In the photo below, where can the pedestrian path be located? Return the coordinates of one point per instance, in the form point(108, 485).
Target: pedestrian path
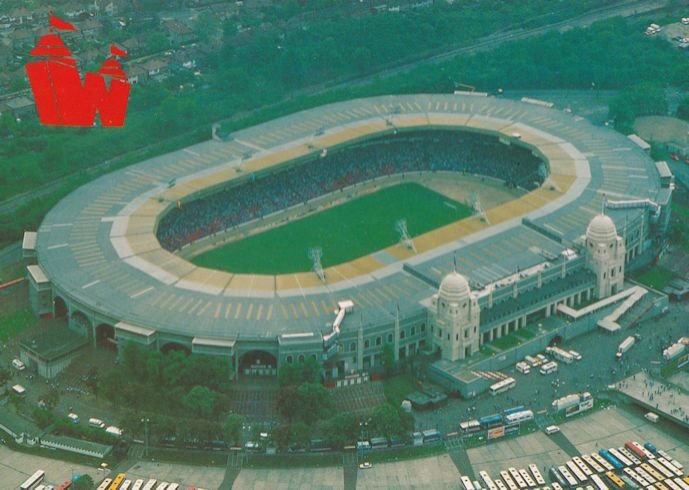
point(663, 398)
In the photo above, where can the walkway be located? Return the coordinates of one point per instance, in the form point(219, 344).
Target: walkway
point(665, 399)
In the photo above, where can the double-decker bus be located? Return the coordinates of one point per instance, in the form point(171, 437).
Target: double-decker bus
point(684, 484)
point(620, 457)
point(150, 484)
point(614, 479)
point(629, 455)
point(466, 482)
point(527, 478)
point(598, 483)
point(612, 460)
point(582, 466)
point(645, 475)
point(33, 480)
point(576, 471)
point(516, 477)
point(571, 481)
point(519, 417)
point(500, 484)
point(509, 411)
point(469, 426)
point(653, 472)
point(502, 386)
point(117, 481)
point(638, 479)
point(669, 458)
point(537, 474)
point(674, 469)
point(105, 484)
point(672, 485)
point(508, 480)
point(593, 464)
point(487, 480)
point(660, 468)
point(491, 421)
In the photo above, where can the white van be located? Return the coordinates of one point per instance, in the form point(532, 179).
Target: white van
point(551, 429)
point(575, 355)
point(18, 365)
point(19, 390)
point(550, 367)
point(523, 367)
point(97, 423)
point(73, 417)
point(114, 431)
point(652, 417)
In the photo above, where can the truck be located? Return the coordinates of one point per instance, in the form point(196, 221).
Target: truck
point(560, 354)
point(624, 347)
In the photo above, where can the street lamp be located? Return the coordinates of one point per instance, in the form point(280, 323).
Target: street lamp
point(145, 421)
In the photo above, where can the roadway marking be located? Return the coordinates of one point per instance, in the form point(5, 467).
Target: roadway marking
point(61, 245)
point(191, 152)
point(90, 284)
point(249, 311)
point(239, 310)
point(227, 310)
point(270, 312)
point(142, 292)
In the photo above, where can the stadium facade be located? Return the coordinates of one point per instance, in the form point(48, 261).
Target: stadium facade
point(100, 264)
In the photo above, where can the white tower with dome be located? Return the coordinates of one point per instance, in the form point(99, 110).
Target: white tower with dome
point(605, 256)
point(454, 319)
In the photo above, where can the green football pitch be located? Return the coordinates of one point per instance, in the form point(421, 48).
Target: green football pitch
point(345, 232)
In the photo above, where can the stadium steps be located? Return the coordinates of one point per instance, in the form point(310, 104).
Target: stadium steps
point(490, 375)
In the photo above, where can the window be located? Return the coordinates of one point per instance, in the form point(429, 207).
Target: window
point(457, 337)
point(367, 344)
point(604, 275)
point(313, 356)
point(402, 334)
point(289, 359)
point(448, 336)
point(352, 347)
point(466, 333)
point(413, 330)
point(301, 359)
point(379, 340)
point(464, 305)
point(389, 338)
point(474, 329)
point(423, 327)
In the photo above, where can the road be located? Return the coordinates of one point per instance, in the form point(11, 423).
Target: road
point(622, 9)
point(593, 373)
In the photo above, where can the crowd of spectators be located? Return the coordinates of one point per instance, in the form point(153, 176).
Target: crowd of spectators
point(259, 196)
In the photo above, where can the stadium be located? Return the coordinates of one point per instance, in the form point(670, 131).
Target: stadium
point(117, 257)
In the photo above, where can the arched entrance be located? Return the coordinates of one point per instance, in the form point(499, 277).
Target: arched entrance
point(105, 336)
point(258, 363)
point(175, 347)
point(81, 323)
point(60, 308)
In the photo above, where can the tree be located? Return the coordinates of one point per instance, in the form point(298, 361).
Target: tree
point(289, 375)
point(205, 370)
point(173, 368)
point(289, 402)
point(134, 361)
point(5, 376)
point(154, 367)
point(199, 401)
point(43, 417)
point(157, 42)
point(385, 421)
point(83, 482)
point(316, 402)
point(281, 436)
point(342, 429)
point(312, 371)
point(642, 99)
point(232, 429)
point(683, 109)
point(300, 435)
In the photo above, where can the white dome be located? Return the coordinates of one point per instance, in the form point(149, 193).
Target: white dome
point(601, 229)
point(454, 288)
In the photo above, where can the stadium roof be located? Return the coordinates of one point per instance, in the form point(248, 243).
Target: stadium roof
point(98, 243)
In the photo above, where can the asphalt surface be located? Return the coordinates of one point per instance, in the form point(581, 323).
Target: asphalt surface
point(593, 373)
